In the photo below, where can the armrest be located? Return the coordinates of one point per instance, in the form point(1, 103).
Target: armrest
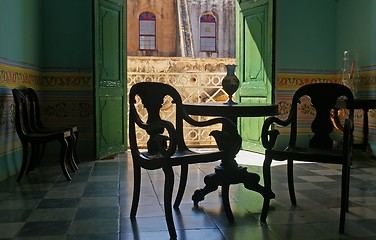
point(268, 135)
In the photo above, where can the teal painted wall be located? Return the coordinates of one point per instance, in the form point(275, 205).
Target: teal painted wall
point(21, 30)
point(67, 34)
point(313, 34)
point(47, 33)
point(305, 38)
point(357, 30)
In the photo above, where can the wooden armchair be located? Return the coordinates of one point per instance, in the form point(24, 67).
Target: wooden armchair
point(322, 148)
point(30, 137)
point(166, 147)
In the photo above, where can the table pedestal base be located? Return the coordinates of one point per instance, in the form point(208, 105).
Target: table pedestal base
point(223, 177)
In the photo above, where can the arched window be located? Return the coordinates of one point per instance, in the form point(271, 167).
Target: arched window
point(208, 36)
point(147, 31)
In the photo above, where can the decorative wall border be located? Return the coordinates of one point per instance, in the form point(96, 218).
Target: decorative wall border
point(70, 80)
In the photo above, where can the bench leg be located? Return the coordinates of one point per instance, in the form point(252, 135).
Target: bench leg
point(25, 160)
point(70, 158)
point(63, 162)
point(75, 139)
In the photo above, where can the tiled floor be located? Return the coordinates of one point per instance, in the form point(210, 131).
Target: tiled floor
point(96, 203)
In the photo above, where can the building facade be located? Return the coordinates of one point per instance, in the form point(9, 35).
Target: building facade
point(181, 28)
point(151, 28)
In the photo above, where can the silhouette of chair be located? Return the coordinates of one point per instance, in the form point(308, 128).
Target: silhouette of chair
point(30, 137)
point(166, 147)
point(322, 148)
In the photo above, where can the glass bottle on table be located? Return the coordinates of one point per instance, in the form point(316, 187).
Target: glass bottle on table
point(350, 71)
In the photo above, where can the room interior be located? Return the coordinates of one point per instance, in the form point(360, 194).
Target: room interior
point(45, 48)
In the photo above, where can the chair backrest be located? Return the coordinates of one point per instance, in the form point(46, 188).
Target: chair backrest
point(22, 122)
point(153, 97)
point(324, 98)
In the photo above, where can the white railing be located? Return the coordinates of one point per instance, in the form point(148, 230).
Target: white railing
point(193, 87)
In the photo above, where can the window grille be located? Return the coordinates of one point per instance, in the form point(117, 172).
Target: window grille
point(147, 34)
point(208, 37)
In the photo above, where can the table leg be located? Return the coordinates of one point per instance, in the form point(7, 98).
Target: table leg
point(230, 173)
point(365, 144)
point(223, 177)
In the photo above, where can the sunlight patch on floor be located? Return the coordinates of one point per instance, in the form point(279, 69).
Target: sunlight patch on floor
point(253, 159)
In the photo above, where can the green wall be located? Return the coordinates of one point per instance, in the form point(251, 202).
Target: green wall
point(313, 34)
point(21, 30)
point(305, 38)
point(47, 33)
point(356, 30)
point(67, 33)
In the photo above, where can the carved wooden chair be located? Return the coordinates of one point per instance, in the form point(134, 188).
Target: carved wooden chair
point(37, 125)
point(166, 147)
point(322, 147)
point(29, 137)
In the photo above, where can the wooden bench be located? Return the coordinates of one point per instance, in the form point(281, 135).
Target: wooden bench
point(30, 136)
point(38, 125)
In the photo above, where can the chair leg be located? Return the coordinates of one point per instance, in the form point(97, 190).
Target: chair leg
point(290, 179)
point(268, 186)
point(226, 202)
point(63, 162)
point(136, 189)
point(182, 185)
point(344, 197)
point(168, 188)
point(25, 160)
point(347, 187)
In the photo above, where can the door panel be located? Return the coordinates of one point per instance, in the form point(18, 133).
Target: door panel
point(110, 87)
point(254, 57)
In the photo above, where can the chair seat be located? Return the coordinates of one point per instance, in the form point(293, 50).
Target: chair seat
point(69, 128)
point(182, 156)
point(307, 154)
point(47, 135)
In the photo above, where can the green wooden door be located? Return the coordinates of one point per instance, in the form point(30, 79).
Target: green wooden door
point(255, 64)
point(110, 85)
